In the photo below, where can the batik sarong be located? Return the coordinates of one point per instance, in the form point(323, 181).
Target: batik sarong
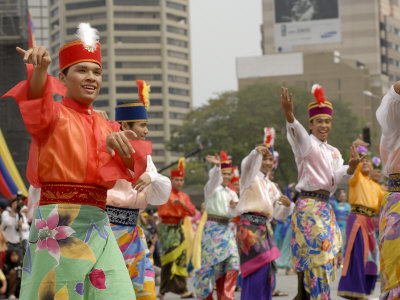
point(389, 245)
point(360, 268)
point(316, 240)
point(219, 254)
point(133, 245)
point(72, 254)
point(255, 245)
point(173, 259)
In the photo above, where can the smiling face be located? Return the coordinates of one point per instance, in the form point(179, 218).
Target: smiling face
point(83, 82)
point(320, 127)
point(267, 163)
point(140, 128)
point(226, 176)
point(366, 166)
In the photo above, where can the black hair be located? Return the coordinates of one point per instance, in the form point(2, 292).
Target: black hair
point(65, 71)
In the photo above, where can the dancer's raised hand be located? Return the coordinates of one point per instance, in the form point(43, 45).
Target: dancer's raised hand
point(39, 57)
point(287, 104)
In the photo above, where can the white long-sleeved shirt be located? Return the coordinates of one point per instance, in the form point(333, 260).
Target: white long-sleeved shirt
point(10, 225)
point(218, 197)
point(388, 115)
point(157, 193)
point(319, 164)
point(258, 193)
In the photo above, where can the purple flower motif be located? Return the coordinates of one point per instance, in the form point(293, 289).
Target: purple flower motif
point(362, 149)
point(376, 161)
point(79, 288)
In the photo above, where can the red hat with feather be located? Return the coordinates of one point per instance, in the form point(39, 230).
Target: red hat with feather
point(180, 172)
point(226, 163)
point(321, 107)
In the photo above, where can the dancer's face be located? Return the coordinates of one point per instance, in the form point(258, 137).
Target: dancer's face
point(267, 163)
point(177, 183)
point(140, 128)
point(376, 175)
point(226, 177)
point(366, 166)
point(320, 127)
point(83, 82)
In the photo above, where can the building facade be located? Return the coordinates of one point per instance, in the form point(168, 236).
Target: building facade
point(141, 39)
point(39, 12)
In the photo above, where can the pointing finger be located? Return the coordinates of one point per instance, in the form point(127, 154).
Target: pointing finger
point(20, 50)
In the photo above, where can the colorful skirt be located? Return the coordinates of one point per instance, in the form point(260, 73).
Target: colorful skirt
point(360, 267)
point(316, 240)
point(219, 254)
point(255, 245)
point(283, 237)
point(72, 254)
point(389, 245)
point(133, 245)
point(173, 259)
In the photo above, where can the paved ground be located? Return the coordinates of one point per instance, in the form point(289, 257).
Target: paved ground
point(289, 285)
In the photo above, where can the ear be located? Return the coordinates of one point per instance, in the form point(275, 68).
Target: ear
point(310, 124)
point(125, 125)
point(62, 78)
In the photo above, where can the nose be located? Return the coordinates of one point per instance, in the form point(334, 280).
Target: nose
point(90, 76)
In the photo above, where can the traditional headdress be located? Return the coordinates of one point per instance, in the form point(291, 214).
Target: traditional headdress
point(321, 107)
point(180, 172)
point(134, 111)
point(226, 163)
point(269, 138)
point(86, 48)
point(236, 175)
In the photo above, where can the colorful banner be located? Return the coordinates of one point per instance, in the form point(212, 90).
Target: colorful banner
point(31, 31)
point(10, 179)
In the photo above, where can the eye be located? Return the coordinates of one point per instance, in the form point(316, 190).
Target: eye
point(81, 70)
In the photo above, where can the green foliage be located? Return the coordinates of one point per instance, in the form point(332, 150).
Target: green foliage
point(234, 122)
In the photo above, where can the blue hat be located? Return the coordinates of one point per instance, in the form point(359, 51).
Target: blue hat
point(130, 112)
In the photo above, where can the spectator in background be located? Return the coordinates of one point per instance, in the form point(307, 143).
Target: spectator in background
point(3, 206)
point(3, 285)
point(12, 269)
point(15, 226)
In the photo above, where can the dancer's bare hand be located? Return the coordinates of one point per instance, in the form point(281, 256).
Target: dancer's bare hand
point(359, 142)
point(143, 181)
point(284, 200)
point(354, 159)
point(120, 141)
point(263, 150)
point(214, 159)
point(39, 57)
point(287, 104)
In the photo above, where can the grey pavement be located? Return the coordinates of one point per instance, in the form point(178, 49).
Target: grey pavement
point(288, 284)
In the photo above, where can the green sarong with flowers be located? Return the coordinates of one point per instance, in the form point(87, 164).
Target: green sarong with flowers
point(72, 254)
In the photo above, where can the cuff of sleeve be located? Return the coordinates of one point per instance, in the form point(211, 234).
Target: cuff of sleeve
point(393, 94)
point(152, 176)
point(292, 125)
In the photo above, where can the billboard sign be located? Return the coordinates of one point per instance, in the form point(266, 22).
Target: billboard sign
point(304, 22)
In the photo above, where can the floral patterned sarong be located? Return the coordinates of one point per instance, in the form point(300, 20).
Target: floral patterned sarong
point(316, 241)
point(72, 254)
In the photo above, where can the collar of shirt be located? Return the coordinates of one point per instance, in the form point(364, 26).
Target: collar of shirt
point(77, 106)
point(318, 140)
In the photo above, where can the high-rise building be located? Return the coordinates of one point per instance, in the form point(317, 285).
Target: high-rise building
point(39, 11)
point(13, 32)
point(141, 39)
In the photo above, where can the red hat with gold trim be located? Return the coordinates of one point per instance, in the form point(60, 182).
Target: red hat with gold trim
point(86, 49)
point(226, 163)
point(321, 107)
point(180, 172)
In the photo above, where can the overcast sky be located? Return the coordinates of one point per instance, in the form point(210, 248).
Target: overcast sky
point(221, 31)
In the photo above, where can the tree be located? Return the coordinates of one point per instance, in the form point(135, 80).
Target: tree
point(234, 122)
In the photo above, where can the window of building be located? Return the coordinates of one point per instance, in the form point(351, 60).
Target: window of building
point(156, 127)
point(175, 5)
point(177, 54)
point(101, 103)
point(137, 2)
point(138, 52)
point(132, 77)
point(55, 24)
point(101, 27)
point(178, 67)
point(54, 12)
point(178, 79)
point(87, 17)
point(173, 127)
point(176, 116)
point(134, 89)
point(156, 139)
point(176, 42)
point(137, 64)
point(156, 102)
point(55, 36)
point(155, 114)
point(137, 14)
point(177, 103)
point(103, 91)
point(52, 2)
point(158, 152)
point(175, 18)
point(176, 30)
point(85, 4)
point(138, 39)
point(137, 27)
point(177, 91)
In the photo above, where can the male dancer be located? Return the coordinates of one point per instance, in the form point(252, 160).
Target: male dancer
point(316, 235)
point(260, 201)
point(388, 115)
point(172, 238)
point(124, 201)
point(360, 267)
point(219, 254)
point(72, 252)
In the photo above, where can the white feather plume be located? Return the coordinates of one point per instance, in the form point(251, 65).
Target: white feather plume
point(314, 87)
point(88, 35)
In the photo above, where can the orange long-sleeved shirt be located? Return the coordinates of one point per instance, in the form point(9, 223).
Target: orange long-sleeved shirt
point(364, 191)
point(175, 210)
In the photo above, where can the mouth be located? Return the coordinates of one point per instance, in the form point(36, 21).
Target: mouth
point(89, 88)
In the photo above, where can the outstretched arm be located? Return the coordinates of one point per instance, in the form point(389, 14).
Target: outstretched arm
point(40, 58)
point(287, 105)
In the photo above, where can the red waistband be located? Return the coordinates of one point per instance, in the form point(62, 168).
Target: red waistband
point(72, 193)
point(171, 221)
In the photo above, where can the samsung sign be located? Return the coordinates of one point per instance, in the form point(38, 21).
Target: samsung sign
point(304, 22)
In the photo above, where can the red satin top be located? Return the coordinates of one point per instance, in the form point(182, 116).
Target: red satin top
point(175, 210)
